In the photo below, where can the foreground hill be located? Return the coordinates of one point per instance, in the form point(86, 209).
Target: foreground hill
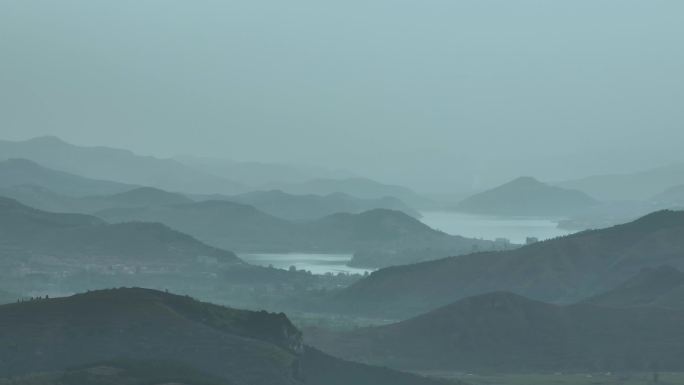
point(20, 172)
point(563, 270)
point(117, 165)
point(508, 333)
point(223, 345)
point(526, 196)
point(662, 286)
point(309, 206)
point(31, 232)
point(243, 228)
point(7, 297)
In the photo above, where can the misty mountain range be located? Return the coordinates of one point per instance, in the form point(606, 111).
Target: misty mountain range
point(341, 193)
point(306, 223)
point(134, 228)
point(582, 203)
point(126, 167)
point(53, 190)
point(456, 304)
point(32, 232)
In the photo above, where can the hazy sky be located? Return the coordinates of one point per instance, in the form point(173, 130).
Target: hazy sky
point(430, 93)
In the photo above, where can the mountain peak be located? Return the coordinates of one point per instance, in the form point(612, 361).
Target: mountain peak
point(527, 196)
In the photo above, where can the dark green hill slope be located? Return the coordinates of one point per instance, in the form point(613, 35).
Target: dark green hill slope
point(563, 270)
point(114, 329)
point(662, 286)
point(509, 333)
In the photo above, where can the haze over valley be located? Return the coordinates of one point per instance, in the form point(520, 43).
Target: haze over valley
point(341, 193)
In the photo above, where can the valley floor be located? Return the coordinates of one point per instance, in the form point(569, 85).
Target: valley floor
point(564, 379)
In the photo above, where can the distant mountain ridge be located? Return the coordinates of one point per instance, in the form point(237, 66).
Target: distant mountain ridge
point(117, 165)
point(526, 196)
point(562, 270)
point(673, 196)
point(19, 172)
point(52, 190)
point(148, 196)
point(310, 206)
point(630, 186)
point(358, 187)
point(124, 166)
point(24, 230)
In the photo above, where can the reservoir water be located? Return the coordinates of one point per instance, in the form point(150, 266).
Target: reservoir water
point(490, 227)
point(315, 263)
point(473, 226)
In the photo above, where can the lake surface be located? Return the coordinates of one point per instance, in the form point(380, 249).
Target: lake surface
point(490, 227)
point(315, 263)
point(467, 225)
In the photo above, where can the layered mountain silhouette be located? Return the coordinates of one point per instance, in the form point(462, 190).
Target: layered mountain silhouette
point(222, 345)
point(526, 196)
point(195, 177)
point(560, 270)
point(22, 172)
point(309, 206)
point(672, 196)
point(388, 237)
point(51, 190)
point(220, 223)
point(117, 165)
point(661, 286)
point(243, 228)
point(506, 332)
point(357, 187)
point(147, 196)
point(632, 186)
point(28, 231)
point(47, 200)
